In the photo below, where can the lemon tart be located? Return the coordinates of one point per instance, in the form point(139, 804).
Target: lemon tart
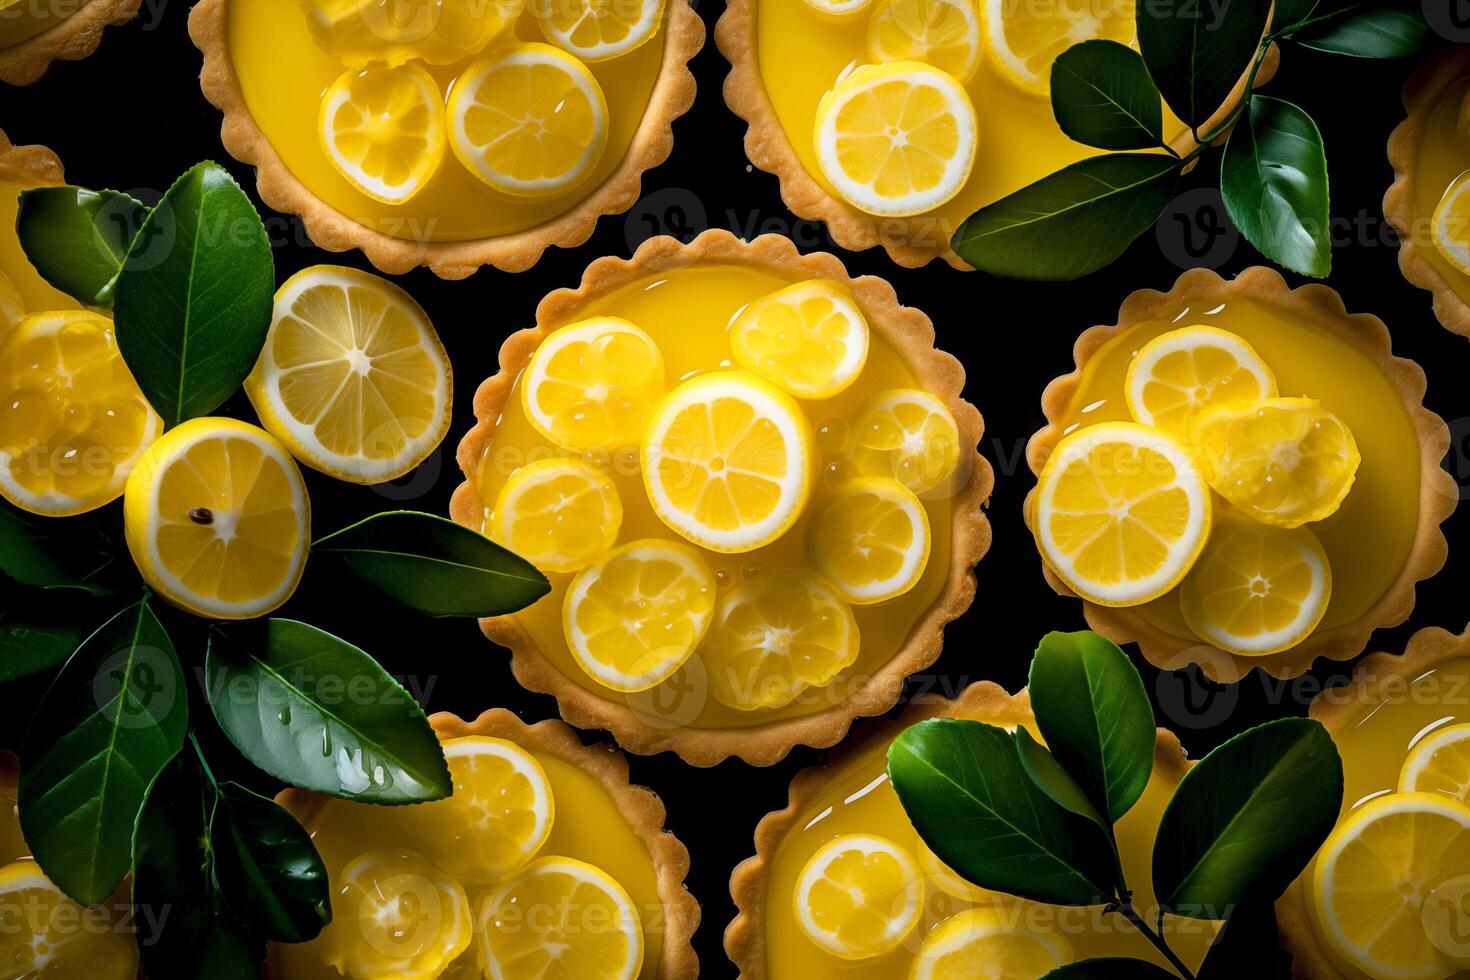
point(1239, 475)
point(753, 483)
point(35, 33)
point(480, 884)
point(23, 290)
point(842, 885)
point(451, 134)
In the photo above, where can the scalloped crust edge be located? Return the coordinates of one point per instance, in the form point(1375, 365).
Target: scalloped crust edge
point(745, 936)
point(672, 96)
point(1420, 93)
point(72, 39)
point(912, 335)
point(640, 807)
point(1437, 492)
point(32, 166)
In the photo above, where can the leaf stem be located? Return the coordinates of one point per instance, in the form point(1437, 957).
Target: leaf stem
point(1128, 912)
point(1204, 140)
point(203, 762)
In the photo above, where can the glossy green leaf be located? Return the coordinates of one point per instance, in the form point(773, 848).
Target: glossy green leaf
point(1288, 13)
point(195, 294)
point(1048, 776)
point(1247, 946)
point(1094, 714)
point(1369, 30)
point(114, 716)
point(50, 553)
point(1273, 177)
point(431, 565)
point(267, 867)
point(1110, 968)
point(77, 238)
point(963, 787)
point(1102, 95)
point(34, 636)
point(317, 712)
point(1197, 52)
point(1072, 222)
point(1247, 818)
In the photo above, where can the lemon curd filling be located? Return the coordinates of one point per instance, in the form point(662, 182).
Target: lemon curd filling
point(36, 293)
point(1441, 158)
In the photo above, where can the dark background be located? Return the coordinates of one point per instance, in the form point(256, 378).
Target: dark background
point(132, 117)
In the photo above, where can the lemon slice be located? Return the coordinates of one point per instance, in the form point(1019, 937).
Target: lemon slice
point(1374, 874)
point(1257, 589)
point(529, 120)
point(1179, 374)
point(728, 461)
point(593, 384)
point(1121, 513)
point(595, 30)
point(51, 937)
point(383, 129)
point(635, 617)
point(558, 514)
point(906, 434)
point(989, 943)
point(1451, 224)
point(941, 876)
point(218, 520)
point(1024, 39)
point(73, 423)
point(942, 33)
point(499, 816)
point(12, 306)
point(1439, 763)
point(396, 917)
point(1283, 461)
point(871, 540)
point(352, 379)
point(560, 918)
point(776, 637)
point(859, 896)
point(838, 10)
point(810, 338)
point(896, 139)
point(440, 32)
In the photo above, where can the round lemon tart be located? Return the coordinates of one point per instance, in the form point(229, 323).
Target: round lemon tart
point(22, 168)
point(754, 486)
point(35, 33)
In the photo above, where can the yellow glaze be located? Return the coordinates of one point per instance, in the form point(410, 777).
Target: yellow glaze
point(21, 20)
point(687, 312)
point(37, 293)
point(1442, 155)
point(265, 35)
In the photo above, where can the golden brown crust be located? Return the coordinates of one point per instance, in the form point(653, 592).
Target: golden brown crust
point(672, 95)
point(30, 166)
point(640, 807)
point(1437, 491)
point(72, 39)
point(1421, 94)
point(745, 936)
point(912, 335)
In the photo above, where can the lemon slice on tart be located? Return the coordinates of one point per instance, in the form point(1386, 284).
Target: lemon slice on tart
point(595, 30)
point(1439, 763)
point(810, 338)
point(986, 942)
point(907, 434)
point(942, 33)
point(395, 916)
point(383, 129)
point(871, 540)
point(592, 385)
point(838, 10)
point(859, 896)
point(49, 936)
point(1023, 39)
point(1178, 374)
point(559, 514)
point(440, 32)
point(1450, 225)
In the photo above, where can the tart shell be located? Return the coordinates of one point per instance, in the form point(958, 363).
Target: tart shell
point(672, 96)
point(72, 39)
point(1437, 491)
point(33, 166)
point(912, 335)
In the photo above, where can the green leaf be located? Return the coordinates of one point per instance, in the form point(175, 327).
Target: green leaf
point(1049, 777)
point(317, 712)
point(963, 787)
point(1273, 177)
point(1072, 222)
point(1288, 13)
point(1110, 968)
point(1094, 714)
point(1247, 818)
point(114, 716)
point(1197, 52)
point(195, 294)
point(1247, 947)
point(77, 238)
point(185, 930)
point(267, 867)
point(49, 553)
point(34, 638)
point(1366, 31)
point(431, 565)
point(1102, 95)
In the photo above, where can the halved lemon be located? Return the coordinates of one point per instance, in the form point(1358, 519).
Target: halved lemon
point(989, 943)
point(1439, 763)
point(383, 129)
point(559, 514)
point(1283, 461)
point(73, 422)
point(596, 30)
point(859, 896)
point(896, 139)
point(939, 875)
point(1025, 38)
point(634, 618)
point(12, 306)
point(942, 33)
point(395, 916)
point(50, 937)
point(352, 379)
point(1121, 512)
point(1180, 373)
point(217, 519)
point(810, 338)
point(499, 816)
point(528, 120)
point(776, 637)
point(906, 434)
point(560, 918)
point(1257, 589)
point(1450, 225)
point(441, 32)
point(1375, 872)
point(592, 385)
point(728, 461)
point(871, 540)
